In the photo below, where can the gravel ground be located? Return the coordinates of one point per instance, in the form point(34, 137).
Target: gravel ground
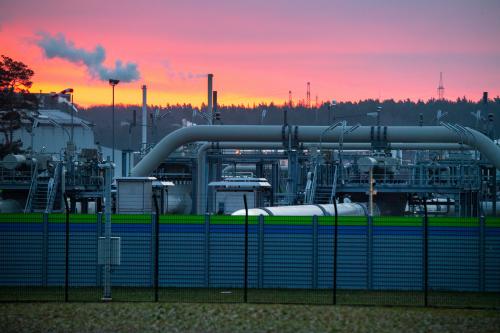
point(179, 317)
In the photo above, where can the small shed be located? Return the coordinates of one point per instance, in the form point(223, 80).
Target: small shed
point(229, 193)
point(134, 195)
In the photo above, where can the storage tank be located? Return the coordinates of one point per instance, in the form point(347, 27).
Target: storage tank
point(343, 209)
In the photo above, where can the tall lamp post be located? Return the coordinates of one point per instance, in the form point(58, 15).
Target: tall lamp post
point(113, 83)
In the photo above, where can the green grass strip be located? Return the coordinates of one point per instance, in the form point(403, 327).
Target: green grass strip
point(342, 220)
point(453, 221)
point(493, 222)
point(182, 219)
point(397, 221)
point(21, 218)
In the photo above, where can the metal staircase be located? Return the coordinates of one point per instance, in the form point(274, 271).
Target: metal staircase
point(33, 187)
point(43, 194)
point(324, 190)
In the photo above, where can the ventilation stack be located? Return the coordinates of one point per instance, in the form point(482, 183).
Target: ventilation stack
point(144, 140)
point(210, 103)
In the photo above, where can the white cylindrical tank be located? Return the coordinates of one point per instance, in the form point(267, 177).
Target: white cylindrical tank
point(343, 209)
point(13, 161)
point(365, 164)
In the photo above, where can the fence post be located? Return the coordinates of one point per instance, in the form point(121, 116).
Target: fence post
point(315, 252)
point(45, 248)
point(261, 252)
point(426, 254)
point(369, 251)
point(481, 252)
point(335, 251)
point(245, 291)
point(66, 266)
point(207, 250)
point(98, 235)
point(156, 244)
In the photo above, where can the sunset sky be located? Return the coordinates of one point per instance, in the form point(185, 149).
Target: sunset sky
point(258, 50)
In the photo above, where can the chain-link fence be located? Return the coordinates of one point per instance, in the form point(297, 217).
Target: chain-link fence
point(439, 261)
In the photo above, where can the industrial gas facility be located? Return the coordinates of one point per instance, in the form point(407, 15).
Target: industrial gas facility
point(283, 170)
point(398, 215)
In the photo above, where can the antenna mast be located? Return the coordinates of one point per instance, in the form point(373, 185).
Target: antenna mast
point(440, 89)
point(308, 96)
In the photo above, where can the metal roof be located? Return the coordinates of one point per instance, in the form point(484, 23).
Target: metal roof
point(60, 117)
point(241, 183)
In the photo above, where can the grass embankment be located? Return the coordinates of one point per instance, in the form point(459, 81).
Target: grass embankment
point(182, 317)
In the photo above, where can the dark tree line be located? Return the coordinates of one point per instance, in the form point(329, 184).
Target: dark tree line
point(15, 101)
point(391, 113)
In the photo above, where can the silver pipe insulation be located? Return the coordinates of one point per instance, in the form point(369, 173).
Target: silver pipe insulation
point(264, 133)
point(343, 209)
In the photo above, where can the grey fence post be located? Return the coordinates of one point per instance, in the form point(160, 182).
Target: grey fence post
point(481, 252)
point(369, 254)
point(426, 254)
point(98, 232)
point(315, 252)
point(153, 252)
point(261, 253)
point(155, 227)
point(45, 248)
point(207, 250)
point(245, 269)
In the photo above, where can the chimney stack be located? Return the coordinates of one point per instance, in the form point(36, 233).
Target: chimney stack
point(144, 141)
point(210, 104)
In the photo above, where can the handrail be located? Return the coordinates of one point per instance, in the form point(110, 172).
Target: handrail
point(33, 186)
point(52, 192)
point(334, 185)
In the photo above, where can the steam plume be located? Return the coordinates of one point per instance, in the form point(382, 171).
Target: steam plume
point(59, 47)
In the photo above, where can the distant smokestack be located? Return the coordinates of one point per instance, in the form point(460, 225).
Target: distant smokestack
point(210, 92)
point(144, 119)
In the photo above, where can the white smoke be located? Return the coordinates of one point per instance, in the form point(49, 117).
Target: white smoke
point(181, 75)
point(59, 47)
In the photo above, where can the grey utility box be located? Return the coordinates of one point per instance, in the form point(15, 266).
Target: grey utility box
point(133, 195)
point(229, 193)
point(115, 251)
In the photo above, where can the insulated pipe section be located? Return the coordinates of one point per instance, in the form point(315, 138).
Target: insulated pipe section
point(344, 209)
point(402, 134)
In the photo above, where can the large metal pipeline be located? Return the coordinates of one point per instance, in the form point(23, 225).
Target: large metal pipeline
point(343, 209)
point(298, 134)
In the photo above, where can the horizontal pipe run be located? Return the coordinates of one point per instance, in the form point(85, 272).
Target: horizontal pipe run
point(361, 134)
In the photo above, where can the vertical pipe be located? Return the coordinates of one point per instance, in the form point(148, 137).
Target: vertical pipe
point(113, 123)
point(144, 140)
point(245, 295)
point(210, 95)
point(214, 107)
point(72, 122)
